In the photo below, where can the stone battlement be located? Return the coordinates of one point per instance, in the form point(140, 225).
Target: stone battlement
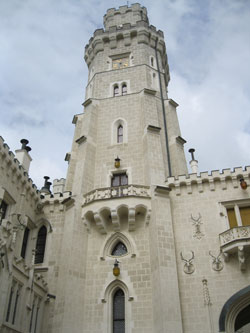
point(15, 169)
point(144, 32)
point(125, 14)
point(221, 178)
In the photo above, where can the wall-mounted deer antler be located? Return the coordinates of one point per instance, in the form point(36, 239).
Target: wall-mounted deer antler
point(217, 264)
point(188, 266)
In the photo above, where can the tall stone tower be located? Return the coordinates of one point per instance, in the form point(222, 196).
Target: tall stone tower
point(126, 142)
point(127, 87)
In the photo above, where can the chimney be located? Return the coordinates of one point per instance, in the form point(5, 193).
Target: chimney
point(46, 187)
point(193, 163)
point(23, 155)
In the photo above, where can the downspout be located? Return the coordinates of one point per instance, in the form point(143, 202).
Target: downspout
point(163, 110)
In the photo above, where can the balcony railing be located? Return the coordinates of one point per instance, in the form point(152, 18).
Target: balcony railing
point(117, 192)
point(234, 235)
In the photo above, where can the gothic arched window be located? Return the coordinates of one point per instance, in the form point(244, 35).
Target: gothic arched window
point(40, 245)
point(124, 89)
point(119, 249)
point(120, 134)
point(119, 312)
point(116, 90)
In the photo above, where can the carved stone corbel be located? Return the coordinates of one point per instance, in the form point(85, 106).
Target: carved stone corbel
point(100, 223)
point(131, 219)
point(115, 220)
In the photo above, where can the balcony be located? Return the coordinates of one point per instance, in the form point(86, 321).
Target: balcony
point(117, 208)
point(236, 240)
point(117, 192)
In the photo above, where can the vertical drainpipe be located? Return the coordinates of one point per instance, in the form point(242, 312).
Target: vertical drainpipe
point(163, 110)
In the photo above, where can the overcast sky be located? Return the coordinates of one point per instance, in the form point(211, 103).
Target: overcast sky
point(43, 75)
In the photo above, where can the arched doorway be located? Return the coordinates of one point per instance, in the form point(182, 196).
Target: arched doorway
point(235, 314)
point(242, 321)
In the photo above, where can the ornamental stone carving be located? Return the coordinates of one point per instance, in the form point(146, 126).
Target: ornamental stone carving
point(196, 221)
point(217, 264)
point(188, 266)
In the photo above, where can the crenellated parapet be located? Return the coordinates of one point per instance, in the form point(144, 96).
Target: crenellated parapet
point(60, 200)
point(141, 30)
point(14, 170)
point(125, 14)
point(205, 181)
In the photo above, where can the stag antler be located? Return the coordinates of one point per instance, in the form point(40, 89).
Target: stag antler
point(217, 264)
point(196, 219)
point(188, 266)
point(188, 261)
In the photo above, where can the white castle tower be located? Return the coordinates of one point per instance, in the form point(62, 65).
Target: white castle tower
point(126, 143)
point(129, 242)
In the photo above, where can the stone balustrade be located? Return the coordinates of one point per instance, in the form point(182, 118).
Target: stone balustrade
point(117, 192)
point(236, 240)
point(234, 235)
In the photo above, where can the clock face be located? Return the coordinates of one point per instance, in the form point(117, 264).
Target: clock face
point(120, 63)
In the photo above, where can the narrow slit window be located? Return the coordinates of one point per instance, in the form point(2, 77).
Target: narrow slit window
point(119, 312)
point(3, 210)
point(15, 307)
point(25, 242)
point(120, 134)
point(40, 245)
point(9, 304)
point(116, 90)
point(124, 89)
point(152, 61)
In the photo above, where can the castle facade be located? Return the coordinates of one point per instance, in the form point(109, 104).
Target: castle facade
point(129, 242)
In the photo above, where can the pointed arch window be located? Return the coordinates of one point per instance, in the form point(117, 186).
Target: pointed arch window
point(124, 89)
point(119, 312)
point(120, 134)
point(116, 90)
point(119, 249)
point(40, 245)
